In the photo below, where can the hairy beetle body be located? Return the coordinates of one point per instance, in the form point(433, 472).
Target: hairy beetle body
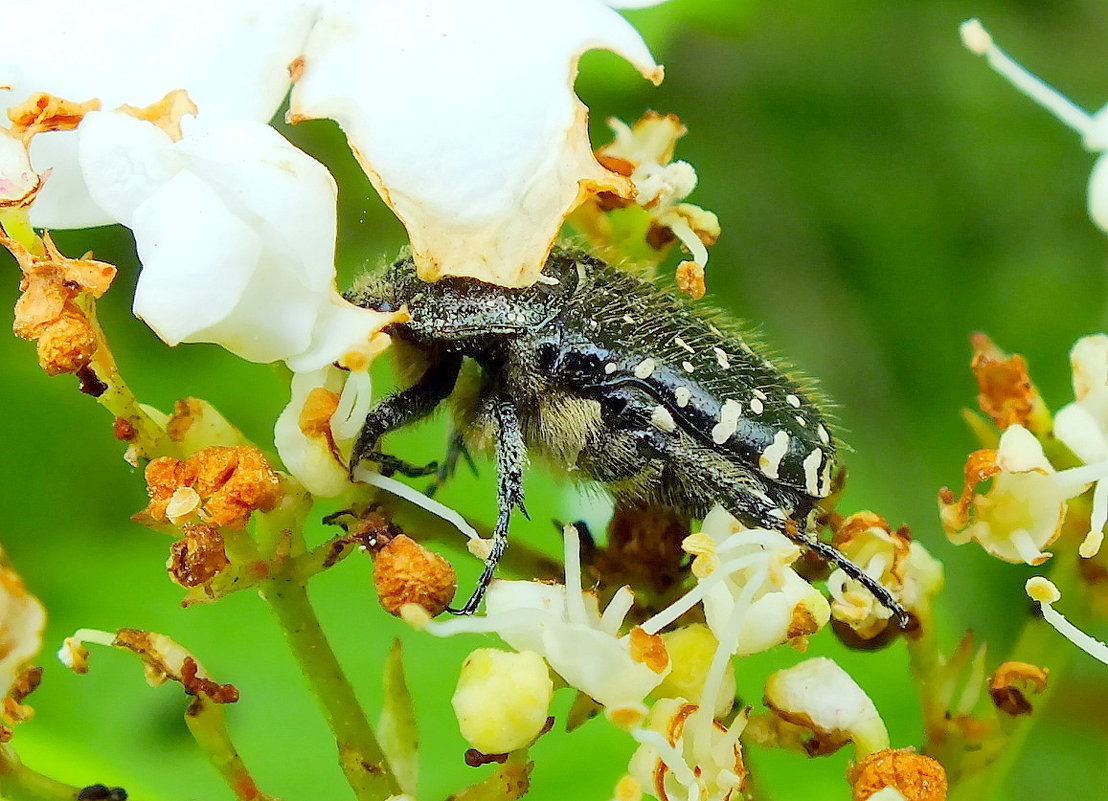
point(613, 380)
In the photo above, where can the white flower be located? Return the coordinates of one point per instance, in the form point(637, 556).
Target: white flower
point(820, 696)
point(891, 558)
point(1093, 128)
point(22, 619)
point(462, 112)
point(1023, 511)
point(752, 599)
point(476, 139)
point(565, 625)
point(1083, 425)
point(231, 57)
point(235, 229)
point(682, 762)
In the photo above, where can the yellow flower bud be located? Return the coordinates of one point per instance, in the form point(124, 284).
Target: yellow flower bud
point(502, 699)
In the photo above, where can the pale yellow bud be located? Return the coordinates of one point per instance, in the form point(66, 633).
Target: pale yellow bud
point(502, 699)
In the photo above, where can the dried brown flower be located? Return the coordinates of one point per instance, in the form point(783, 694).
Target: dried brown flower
point(1006, 392)
point(407, 573)
point(914, 776)
point(198, 557)
point(1008, 682)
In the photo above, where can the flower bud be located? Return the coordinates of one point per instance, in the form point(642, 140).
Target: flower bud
point(502, 699)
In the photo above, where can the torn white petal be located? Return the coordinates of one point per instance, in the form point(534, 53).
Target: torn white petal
point(495, 153)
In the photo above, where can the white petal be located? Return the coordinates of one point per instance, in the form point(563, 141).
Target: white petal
point(1098, 193)
point(231, 57)
point(485, 164)
point(1081, 433)
point(17, 179)
point(1019, 452)
point(124, 160)
point(598, 665)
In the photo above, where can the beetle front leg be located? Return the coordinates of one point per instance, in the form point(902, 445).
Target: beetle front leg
point(511, 456)
point(404, 408)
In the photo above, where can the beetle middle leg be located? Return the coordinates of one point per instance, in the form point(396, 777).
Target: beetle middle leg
point(456, 449)
point(511, 456)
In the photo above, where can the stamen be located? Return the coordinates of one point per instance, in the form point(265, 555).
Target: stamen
point(672, 758)
point(402, 490)
point(575, 603)
point(978, 41)
point(616, 611)
point(697, 593)
point(1043, 590)
point(1095, 537)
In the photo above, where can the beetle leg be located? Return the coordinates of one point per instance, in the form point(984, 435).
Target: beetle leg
point(748, 499)
point(511, 455)
point(455, 450)
point(403, 408)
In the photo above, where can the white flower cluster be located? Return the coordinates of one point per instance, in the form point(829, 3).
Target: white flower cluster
point(752, 600)
point(462, 113)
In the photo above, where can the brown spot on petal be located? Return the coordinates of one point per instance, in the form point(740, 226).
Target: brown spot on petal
point(649, 650)
point(1006, 392)
point(45, 112)
point(914, 776)
point(123, 430)
point(296, 68)
point(315, 416)
point(165, 113)
point(1008, 682)
point(407, 573)
point(616, 164)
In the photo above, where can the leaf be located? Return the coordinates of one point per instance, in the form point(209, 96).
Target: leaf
point(397, 729)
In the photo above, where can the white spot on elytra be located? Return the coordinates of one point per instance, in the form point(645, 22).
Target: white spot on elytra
point(627, 318)
point(756, 405)
point(662, 420)
point(721, 357)
point(811, 472)
point(610, 368)
point(549, 280)
point(793, 401)
point(645, 368)
point(683, 344)
point(758, 394)
point(800, 420)
point(824, 437)
point(683, 396)
point(770, 460)
point(688, 367)
point(728, 422)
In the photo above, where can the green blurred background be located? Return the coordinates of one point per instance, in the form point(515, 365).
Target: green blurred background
point(882, 195)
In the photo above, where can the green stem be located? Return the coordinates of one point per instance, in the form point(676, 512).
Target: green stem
point(1038, 644)
point(360, 755)
point(20, 783)
point(208, 724)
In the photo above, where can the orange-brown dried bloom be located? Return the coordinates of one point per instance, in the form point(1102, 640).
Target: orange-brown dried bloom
point(198, 557)
point(407, 573)
point(1008, 682)
point(165, 113)
point(914, 776)
point(231, 483)
point(1006, 392)
point(46, 310)
point(690, 279)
